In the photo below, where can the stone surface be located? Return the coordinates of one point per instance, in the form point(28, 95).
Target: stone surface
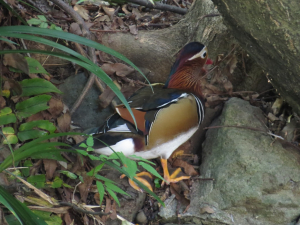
point(256, 181)
point(88, 114)
point(270, 32)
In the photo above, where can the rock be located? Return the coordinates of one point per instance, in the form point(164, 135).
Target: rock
point(270, 32)
point(256, 181)
point(141, 217)
point(88, 114)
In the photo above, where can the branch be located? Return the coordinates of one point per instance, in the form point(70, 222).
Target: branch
point(160, 6)
point(91, 51)
point(78, 209)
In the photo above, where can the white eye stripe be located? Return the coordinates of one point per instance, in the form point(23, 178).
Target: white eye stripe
point(202, 54)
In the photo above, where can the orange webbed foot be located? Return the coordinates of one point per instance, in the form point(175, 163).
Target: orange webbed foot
point(142, 177)
point(173, 177)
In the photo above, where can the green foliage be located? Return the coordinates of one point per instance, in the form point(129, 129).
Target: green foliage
point(37, 86)
point(6, 116)
point(41, 22)
point(19, 32)
point(37, 132)
point(32, 106)
point(37, 180)
point(120, 162)
point(68, 174)
point(21, 212)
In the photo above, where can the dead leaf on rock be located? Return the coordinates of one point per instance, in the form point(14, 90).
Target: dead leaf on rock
point(207, 209)
point(82, 12)
point(133, 29)
point(56, 107)
point(17, 61)
point(50, 166)
point(64, 122)
point(188, 169)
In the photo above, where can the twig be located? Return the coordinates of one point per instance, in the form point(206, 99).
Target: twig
point(91, 51)
point(160, 6)
point(78, 209)
point(114, 31)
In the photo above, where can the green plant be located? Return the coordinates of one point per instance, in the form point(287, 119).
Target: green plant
point(37, 132)
point(41, 22)
point(118, 161)
point(23, 31)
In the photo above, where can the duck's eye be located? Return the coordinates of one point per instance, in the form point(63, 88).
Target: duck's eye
point(203, 55)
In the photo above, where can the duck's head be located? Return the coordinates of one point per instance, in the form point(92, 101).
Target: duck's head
point(188, 68)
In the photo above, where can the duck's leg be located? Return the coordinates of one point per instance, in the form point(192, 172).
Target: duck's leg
point(140, 178)
point(171, 178)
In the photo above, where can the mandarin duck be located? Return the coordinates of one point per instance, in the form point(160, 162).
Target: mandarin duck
point(166, 117)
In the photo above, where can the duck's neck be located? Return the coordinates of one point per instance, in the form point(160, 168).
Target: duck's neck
point(187, 78)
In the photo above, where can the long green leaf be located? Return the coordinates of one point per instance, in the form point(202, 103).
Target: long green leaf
point(96, 70)
point(113, 195)
point(38, 148)
point(23, 214)
point(9, 31)
point(67, 36)
point(100, 190)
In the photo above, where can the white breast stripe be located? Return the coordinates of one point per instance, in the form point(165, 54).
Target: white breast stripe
point(126, 146)
point(121, 128)
point(183, 95)
point(200, 109)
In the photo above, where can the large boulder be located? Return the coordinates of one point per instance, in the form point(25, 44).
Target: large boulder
point(270, 32)
point(255, 180)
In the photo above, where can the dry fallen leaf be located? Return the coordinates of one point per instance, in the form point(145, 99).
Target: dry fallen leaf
point(188, 169)
point(82, 12)
point(37, 116)
point(109, 11)
point(56, 107)
point(84, 188)
point(119, 69)
point(106, 97)
point(78, 138)
point(2, 102)
point(64, 122)
point(75, 29)
point(50, 166)
point(231, 64)
point(137, 14)
point(17, 61)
